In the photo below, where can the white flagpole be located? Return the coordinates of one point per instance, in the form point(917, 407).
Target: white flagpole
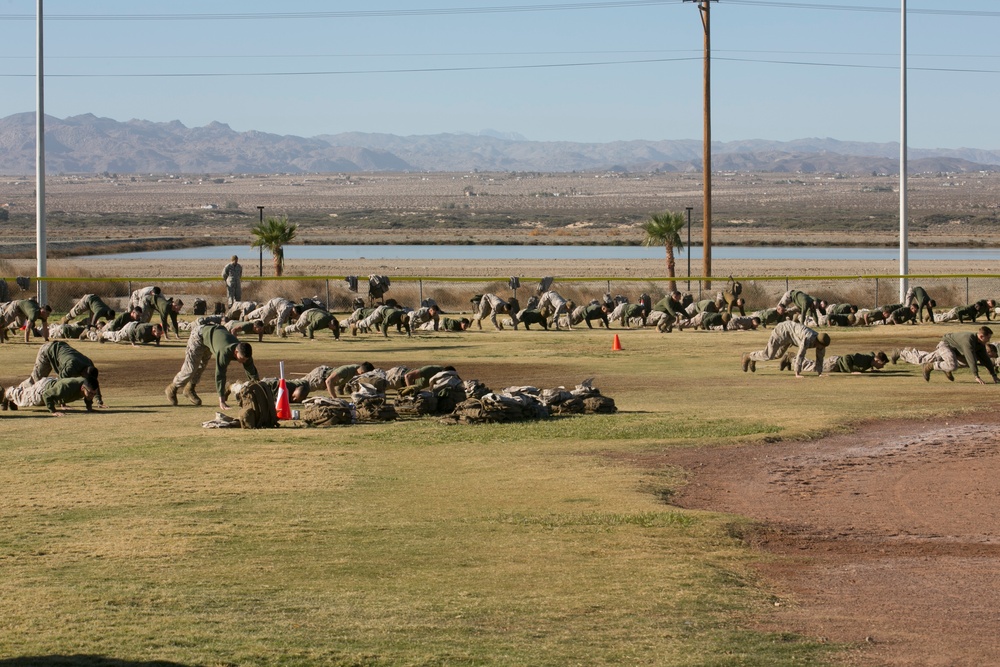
point(40, 241)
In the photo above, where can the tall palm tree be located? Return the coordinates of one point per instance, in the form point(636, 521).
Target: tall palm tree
point(272, 235)
point(665, 229)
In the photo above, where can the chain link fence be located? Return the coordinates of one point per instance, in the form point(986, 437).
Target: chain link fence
point(455, 294)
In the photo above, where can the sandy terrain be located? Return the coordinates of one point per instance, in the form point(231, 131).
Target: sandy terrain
point(885, 538)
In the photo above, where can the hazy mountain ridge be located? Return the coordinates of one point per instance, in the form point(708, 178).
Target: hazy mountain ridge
point(89, 144)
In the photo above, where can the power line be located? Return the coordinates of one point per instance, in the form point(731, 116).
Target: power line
point(487, 68)
point(474, 54)
point(408, 70)
point(444, 11)
point(368, 13)
point(860, 8)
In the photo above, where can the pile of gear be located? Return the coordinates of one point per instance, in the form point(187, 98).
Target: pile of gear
point(446, 395)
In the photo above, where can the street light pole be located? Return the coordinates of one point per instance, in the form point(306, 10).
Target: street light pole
point(688, 209)
point(261, 209)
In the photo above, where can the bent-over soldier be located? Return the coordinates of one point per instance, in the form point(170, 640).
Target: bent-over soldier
point(208, 342)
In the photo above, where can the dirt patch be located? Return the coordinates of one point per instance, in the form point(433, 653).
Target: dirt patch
point(885, 538)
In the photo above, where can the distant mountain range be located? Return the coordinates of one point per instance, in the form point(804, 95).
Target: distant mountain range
point(88, 144)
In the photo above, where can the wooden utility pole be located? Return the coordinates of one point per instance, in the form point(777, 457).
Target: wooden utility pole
point(703, 7)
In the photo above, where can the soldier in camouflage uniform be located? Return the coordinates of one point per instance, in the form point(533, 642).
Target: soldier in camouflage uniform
point(52, 393)
point(91, 306)
point(956, 350)
point(66, 362)
point(135, 333)
point(856, 364)
point(311, 320)
point(231, 275)
point(210, 342)
point(24, 312)
point(338, 377)
point(279, 309)
point(785, 335)
point(919, 296)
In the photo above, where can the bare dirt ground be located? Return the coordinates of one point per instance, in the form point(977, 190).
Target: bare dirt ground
point(885, 538)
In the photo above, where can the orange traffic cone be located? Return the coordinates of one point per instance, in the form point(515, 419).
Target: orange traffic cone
point(617, 345)
point(281, 405)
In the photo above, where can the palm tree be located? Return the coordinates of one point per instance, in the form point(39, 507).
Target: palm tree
point(665, 229)
point(273, 234)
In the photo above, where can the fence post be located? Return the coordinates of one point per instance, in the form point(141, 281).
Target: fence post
point(420, 282)
point(875, 305)
point(328, 304)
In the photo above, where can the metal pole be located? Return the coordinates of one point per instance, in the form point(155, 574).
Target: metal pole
point(261, 209)
point(40, 234)
point(688, 209)
point(904, 268)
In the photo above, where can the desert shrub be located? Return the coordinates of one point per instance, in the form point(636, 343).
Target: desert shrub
point(757, 296)
point(63, 294)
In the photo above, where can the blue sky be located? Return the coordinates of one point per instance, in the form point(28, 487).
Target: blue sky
point(592, 71)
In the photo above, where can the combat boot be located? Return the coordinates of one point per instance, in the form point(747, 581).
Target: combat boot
point(192, 395)
point(927, 368)
point(895, 356)
point(745, 361)
point(171, 392)
point(786, 363)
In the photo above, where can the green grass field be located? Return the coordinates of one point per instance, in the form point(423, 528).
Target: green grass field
point(133, 534)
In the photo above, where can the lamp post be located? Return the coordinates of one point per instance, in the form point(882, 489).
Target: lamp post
point(261, 209)
point(688, 209)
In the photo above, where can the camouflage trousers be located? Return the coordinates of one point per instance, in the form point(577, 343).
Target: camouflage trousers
point(829, 364)
point(42, 366)
point(80, 308)
point(28, 394)
point(196, 358)
point(944, 358)
point(120, 335)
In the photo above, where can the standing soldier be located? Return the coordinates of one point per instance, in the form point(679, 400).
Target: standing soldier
point(24, 312)
point(208, 342)
point(232, 275)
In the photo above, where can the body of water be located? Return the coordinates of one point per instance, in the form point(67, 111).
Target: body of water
point(481, 252)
